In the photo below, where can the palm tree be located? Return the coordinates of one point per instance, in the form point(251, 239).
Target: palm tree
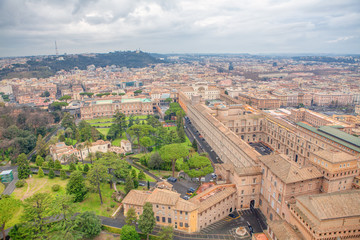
point(87, 145)
point(80, 147)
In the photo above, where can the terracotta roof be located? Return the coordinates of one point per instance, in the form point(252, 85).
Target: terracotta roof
point(163, 196)
point(212, 196)
point(288, 171)
point(100, 142)
point(332, 205)
point(184, 205)
point(136, 197)
point(334, 156)
point(282, 230)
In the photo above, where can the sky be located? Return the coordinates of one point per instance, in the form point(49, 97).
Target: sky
point(31, 27)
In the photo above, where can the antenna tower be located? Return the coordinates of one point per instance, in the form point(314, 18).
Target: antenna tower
point(56, 49)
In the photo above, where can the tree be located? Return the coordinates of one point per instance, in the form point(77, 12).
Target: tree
point(8, 207)
point(72, 167)
point(76, 186)
point(63, 205)
point(129, 233)
point(62, 174)
point(45, 94)
point(133, 173)
point(181, 134)
point(51, 163)
point(146, 142)
point(39, 161)
point(171, 153)
point(147, 220)
point(51, 174)
point(141, 175)
point(65, 98)
point(80, 147)
point(57, 165)
point(131, 217)
point(166, 233)
point(23, 166)
point(155, 161)
point(86, 168)
point(96, 175)
point(36, 209)
point(139, 131)
point(194, 145)
point(88, 144)
point(40, 172)
point(129, 184)
point(89, 224)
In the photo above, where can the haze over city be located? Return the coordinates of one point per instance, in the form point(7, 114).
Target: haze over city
point(185, 26)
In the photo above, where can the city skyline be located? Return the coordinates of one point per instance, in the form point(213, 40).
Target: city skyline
point(255, 27)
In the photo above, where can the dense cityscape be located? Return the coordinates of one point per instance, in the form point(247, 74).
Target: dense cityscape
point(179, 120)
point(232, 146)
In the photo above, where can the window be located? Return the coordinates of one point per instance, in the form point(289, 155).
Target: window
point(163, 219)
point(254, 180)
point(186, 225)
point(181, 224)
point(157, 218)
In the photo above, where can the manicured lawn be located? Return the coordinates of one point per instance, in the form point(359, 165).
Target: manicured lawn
point(100, 120)
point(2, 187)
point(92, 202)
point(104, 131)
point(163, 173)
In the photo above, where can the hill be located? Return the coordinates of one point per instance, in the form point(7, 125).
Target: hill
point(48, 66)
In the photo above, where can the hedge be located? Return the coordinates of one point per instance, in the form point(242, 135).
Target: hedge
point(118, 231)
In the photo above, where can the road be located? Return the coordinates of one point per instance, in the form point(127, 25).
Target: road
point(203, 146)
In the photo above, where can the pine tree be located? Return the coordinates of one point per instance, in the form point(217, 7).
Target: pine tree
point(194, 145)
point(51, 174)
point(40, 172)
point(72, 167)
point(147, 220)
point(51, 163)
point(39, 161)
point(129, 184)
point(23, 166)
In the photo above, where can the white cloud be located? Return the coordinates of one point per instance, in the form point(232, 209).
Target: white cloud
point(179, 26)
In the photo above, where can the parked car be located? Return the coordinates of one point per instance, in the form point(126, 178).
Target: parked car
point(172, 179)
point(141, 184)
point(191, 190)
point(202, 179)
point(185, 197)
point(213, 175)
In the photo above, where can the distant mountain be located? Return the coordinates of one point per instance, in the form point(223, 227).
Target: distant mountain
point(48, 66)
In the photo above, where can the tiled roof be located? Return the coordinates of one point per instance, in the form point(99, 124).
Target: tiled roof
point(212, 196)
point(341, 135)
point(334, 156)
point(163, 196)
point(136, 197)
point(332, 205)
point(287, 171)
point(282, 230)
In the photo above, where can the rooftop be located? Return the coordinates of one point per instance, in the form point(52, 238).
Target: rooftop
point(288, 171)
point(334, 156)
point(332, 205)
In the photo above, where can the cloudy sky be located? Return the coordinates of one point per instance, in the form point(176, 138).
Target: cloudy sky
point(30, 27)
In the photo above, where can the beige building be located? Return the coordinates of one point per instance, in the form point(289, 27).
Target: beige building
point(200, 211)
point(329, 216)
point(108, 108)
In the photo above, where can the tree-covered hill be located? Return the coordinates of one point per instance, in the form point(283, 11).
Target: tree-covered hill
point(48, 66)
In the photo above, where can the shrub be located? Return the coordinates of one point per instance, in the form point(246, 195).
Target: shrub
point(55, 187)
point(72, 167)
point(112, 205)
point(51, 174)
point(45, 164)
point(63, 174)
point(86, 168)
point(40, 172)
point(20, 183)
point(57, 165)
